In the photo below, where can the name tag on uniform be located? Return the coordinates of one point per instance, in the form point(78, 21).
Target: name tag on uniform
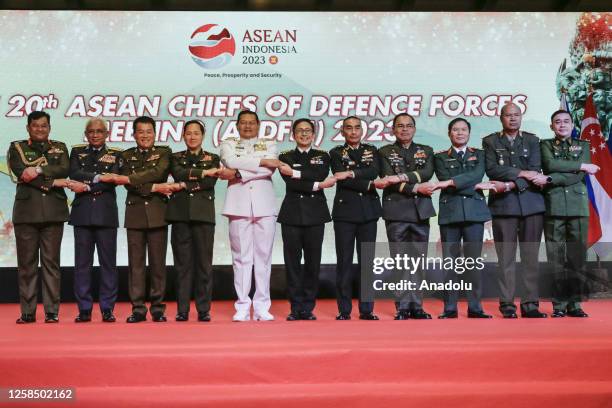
point(153, 157)
point(316, 160)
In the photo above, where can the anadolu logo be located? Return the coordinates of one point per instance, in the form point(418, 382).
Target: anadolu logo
point(212, 46)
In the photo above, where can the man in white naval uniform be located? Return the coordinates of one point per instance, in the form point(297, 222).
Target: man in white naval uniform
point(250, 206)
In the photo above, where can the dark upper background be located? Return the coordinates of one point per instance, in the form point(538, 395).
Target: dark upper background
point(313, 5)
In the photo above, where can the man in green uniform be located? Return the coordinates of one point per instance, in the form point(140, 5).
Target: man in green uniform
point(513, 164)
point(566, 161)
point(145, 173)
point(39, 166)
point(463, 212)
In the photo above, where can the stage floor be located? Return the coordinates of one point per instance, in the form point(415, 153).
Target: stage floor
point(464, 362)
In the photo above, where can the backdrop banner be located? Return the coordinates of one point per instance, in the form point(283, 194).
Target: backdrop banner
point(177, 66)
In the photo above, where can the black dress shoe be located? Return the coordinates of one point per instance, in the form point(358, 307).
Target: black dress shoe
point(448, 315)
point(533, 314)
point(51, 318)
point(158, 317)
point(293, 316)
point(204, 317)
point(509, 314)
point(402, 315)
point(367, 316)
point(26, 318)
point(577, 313)
point(136, 318)
point(419, 314)
point(83, 317)
point(180, 317)
point(307, 316)
point(557, 313)
point(343, 316)
point(108, 316)
point(478, 315)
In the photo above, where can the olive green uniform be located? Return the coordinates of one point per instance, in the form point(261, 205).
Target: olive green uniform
point(463, 212)
point(145, 221)
point(567, 218)
point(39, 213)
point(191, 212)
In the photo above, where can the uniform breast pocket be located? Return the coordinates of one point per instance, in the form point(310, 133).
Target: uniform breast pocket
point(451, 165)
point(54, 158)
point(579, 189)
point(471, 163)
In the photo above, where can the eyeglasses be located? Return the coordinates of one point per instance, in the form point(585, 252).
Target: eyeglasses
point(305, 132)
point(95, 132)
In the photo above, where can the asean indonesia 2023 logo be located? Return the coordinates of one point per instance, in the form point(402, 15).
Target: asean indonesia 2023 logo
point(212, 46)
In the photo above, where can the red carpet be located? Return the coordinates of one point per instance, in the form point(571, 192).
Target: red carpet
point(465, 362)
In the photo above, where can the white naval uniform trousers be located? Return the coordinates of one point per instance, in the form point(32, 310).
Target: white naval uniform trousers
point(250, 205)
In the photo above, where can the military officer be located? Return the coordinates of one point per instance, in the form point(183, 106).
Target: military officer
point(303, 215)
point(191, 211)
point(566, 161)
point(39, 166)
point(145, 173)
point(463, 211)
point(406, 168)
point(250, 205)
point(355, 212)
point(513, 164)
point(95, 219)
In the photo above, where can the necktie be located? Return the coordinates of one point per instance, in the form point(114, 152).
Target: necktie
point(460, 154)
